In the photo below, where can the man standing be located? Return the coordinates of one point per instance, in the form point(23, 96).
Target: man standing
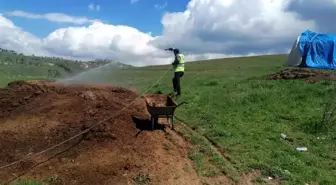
point(178, 66)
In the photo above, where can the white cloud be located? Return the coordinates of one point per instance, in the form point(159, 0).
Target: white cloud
point(53, 17)
point(5, 23)
point(134, 1)
point(231, 26)
point(159, 7)
point(206, 29)
point(93, 7)
point(121, 43)
point(12, 37)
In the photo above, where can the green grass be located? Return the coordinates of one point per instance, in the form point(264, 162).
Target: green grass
point(28, 183)
point(207, 162)
point(244, 116)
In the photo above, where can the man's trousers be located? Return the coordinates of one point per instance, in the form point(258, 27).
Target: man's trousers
point(176, 82)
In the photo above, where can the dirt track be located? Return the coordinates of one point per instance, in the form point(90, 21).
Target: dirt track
point(308, 75)
point(35, 115)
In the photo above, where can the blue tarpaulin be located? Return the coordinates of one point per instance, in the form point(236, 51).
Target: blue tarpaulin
point(318, 50)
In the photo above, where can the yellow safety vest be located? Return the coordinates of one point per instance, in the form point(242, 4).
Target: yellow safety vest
point(180, 66)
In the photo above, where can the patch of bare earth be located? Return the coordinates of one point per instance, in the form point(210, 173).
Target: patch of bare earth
point(308, 75)
point(35, 115)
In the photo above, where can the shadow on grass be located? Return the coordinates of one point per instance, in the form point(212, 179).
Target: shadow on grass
point(316, 125)
point(325, 123)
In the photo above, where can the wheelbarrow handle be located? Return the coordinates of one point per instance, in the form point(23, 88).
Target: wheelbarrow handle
point(181, 104)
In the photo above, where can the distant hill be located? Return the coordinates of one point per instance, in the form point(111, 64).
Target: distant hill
point(17, 66)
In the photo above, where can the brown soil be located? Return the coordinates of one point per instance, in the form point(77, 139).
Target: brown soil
point(35, 115)
point(308, 75)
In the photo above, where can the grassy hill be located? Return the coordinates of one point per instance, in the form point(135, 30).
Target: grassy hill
point(14, 66)
point(244, 116)
point(232, 111)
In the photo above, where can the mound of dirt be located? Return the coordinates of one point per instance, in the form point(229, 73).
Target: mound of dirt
point(309, 75)
point(35, 115)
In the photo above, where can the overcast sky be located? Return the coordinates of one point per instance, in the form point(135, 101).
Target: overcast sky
point(136, 31)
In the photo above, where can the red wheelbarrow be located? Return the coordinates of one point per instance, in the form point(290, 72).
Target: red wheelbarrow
point(161, 106)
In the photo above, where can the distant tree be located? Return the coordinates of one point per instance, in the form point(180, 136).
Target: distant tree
point(63, 66)
point(53, 73)
point(22, 60)
point(8, 59)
